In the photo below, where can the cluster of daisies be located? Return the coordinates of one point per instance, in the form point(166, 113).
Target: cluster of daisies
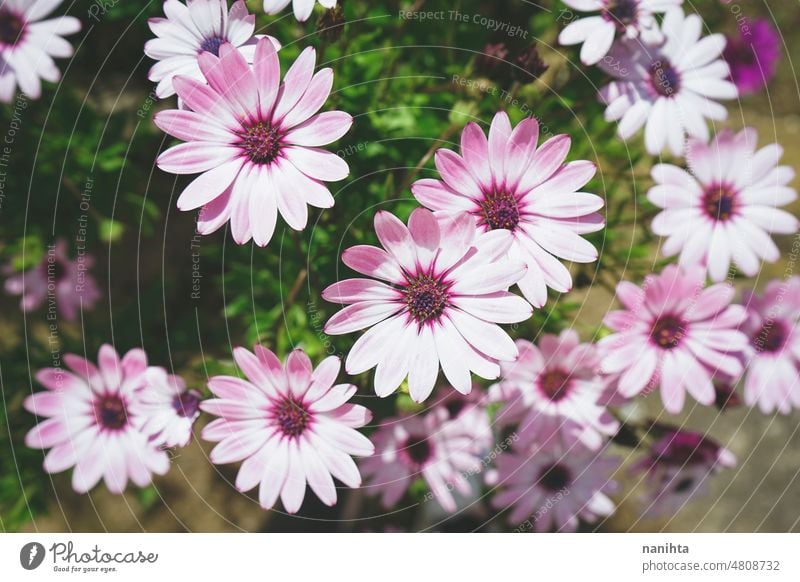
point(495, 230)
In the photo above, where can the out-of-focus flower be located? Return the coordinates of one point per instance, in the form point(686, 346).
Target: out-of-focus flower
point(302, 8)
point(68, 281)
point(28, 45)
point(492, 62)
point(726, 396)
point(165, 409)
point(465, 415)
point(672, 88)
point(331, 24)
point(724, 211)
point(753, 55)
point(255, 142)
point(448, 291)
point(530, 63)
point(523, 193)
point(289, 424)
point(674, 328)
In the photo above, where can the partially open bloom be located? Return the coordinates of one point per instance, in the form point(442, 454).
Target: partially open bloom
point(672, 87)
point(28, 45)
point(772, 374)
point(554, 391)
point(255, 141)
point(628, 18)
point(448, 291)
point(90, 424)
point(753, 55)
point(522, 192)
point(724, 211)
point(289, 424)
point(674, 328)
point(302, 8)
point(165, 409)
point(192, 28)
point(676, 470)
point(553, 489)
point(70, 282)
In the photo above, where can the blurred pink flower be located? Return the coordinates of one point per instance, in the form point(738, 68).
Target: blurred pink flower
point(449, 290)
point(289, 424)
point(192, 28)
point(464, 415)
point(90, 422)
point(674, 328)
point(725, 209)
point(165, 409)
point(753, 55)
point(525, 194)
point(28, 45)
point(302, 8)
point(67, 282)
point(254, 141)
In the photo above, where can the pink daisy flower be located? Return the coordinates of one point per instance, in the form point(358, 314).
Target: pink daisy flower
point(193, 28)
point(465, 415)
point(524, 193)
point(90, 424)
point(255, 142)
point(772, 374)
point(674, 328)
point(629, 18)
point(302, 8)
point(448, 291)
point(552, 489)
point(289, 425)
point(725, 209)
point(56, 275)
point(165, 409)
point(28, 45)
point(671, 88)
point(554, 391)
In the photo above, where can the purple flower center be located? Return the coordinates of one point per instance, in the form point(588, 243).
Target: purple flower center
point(668, 331)
point(111, 412)
point(418, 450)
point(454, 406)
point(186, 404)
point(622, 13)
point(56, 270)
point(684, 485)
point(212, 45)
point(684, 449)
point(665, 78)
point(771, 337)
point(12, 27)
point(426, 297)
point(500, 210)
point(261, 142)
point(554, 384)
point(720, 202)
point(292, 417)
point(555, 477)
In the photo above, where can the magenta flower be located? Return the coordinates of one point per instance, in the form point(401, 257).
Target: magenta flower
point(28, 45)
point(674, 328)
point(772, 374)
point(192, 28)
point(629, 18)
point(552, 489)
point(289, 424)
point(302, 8)
point(524, 193)
point(554, 391)
point(165, 409)
point(90, 424)
point(448, 291)
point(672, 88)
point(725, 209)
point(753, 55)
point(255, 142)
point(66, 281)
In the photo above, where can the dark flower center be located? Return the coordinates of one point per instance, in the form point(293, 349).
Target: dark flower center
point(719, 202)
point(212, 45)
point(12, 26)
point(684, 485)
point(665, 79)
point(685, 448)
point(668, 331)
point(56, 270)
point(771, 337)
point(292, 417)
point(454, 406)
point(622, 12)
point(554, 384)
point(500, 210)
point(187, 404)
point(418, 449)
point(426, 298)
point(261, 142)
point(555, 478)
point(111, 412)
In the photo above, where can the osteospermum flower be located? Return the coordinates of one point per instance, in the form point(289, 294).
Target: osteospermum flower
point(672, 87)
point(674, 328)
point(464, 415)
point(724, 211)
point(772, 374)
point(302, 8)
point(255, 142)
point(56, 276)
point(627, 18)
point(522, 193)
point(289, 424)
point(193, 28)
point(165, 409)
point(554, 392)
point(447, 291)
point(552, 489)
point(90, 424)
point(753, 55)
point(28, 45)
